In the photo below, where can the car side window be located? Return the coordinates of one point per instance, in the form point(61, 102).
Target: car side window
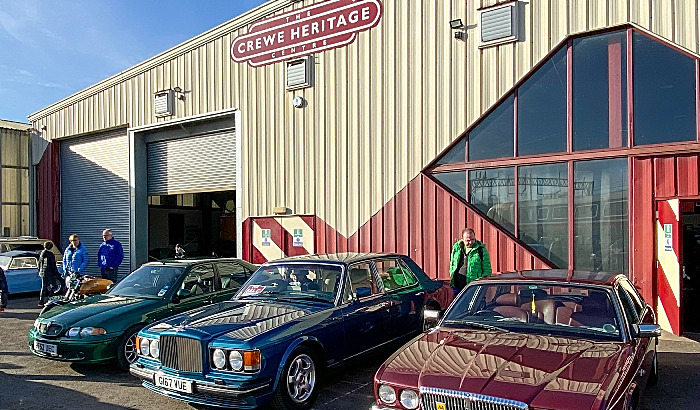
point(24, 263)
point(394, 275)
point(200, 280)
point(232, 275)
point(634, 296)
point(362, 281)
point(627, 306)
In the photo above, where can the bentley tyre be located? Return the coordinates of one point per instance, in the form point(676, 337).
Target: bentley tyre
point(298, 386)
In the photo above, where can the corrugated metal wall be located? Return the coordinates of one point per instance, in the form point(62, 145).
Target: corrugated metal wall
point(14, 179)
point(381, 108)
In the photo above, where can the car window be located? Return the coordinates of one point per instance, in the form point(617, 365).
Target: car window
point(148, 281)
point(200, 280)
point(232, 275)
point(627, 305)
point(23, 263)
point(634, 296)
point(361, 277)
point(394, 275)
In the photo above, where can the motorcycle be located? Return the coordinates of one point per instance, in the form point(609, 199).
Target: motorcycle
point(78, 287)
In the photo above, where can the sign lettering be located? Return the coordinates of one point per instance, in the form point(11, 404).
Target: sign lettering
point(311, 29)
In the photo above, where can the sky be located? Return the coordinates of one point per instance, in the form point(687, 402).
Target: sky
point(51, 49)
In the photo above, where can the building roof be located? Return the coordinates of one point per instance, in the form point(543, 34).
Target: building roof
point(558, 275)
point(12, 125)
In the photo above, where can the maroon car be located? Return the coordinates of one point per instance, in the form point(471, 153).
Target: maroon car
point(548, 339)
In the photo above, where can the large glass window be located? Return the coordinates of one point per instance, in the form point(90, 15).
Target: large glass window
point(600, 215)
point(600, 91)
point(543, 210)
point(542, 108)
point(492, 191)
point(456, 154)
point(664, 93)
point(455, 181)
point(493, 137)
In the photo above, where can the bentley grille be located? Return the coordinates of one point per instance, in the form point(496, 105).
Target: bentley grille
point(431, 398)
point(181, 353)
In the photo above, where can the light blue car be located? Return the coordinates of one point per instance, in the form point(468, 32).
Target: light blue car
point(21, 270)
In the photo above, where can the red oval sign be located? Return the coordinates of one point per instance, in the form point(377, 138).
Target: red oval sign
point(308, 30)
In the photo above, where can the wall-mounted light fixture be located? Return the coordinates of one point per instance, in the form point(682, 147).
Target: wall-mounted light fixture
point(179, 93)
point(458, 27)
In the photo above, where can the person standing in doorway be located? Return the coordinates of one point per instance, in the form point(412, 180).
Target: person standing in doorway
point(469, 260)
point(75, 257)
point(109, 256)
point(48, 272)
point(179, 251)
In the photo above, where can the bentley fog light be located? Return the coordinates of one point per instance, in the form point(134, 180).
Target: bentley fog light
point(219, 359)
point(387, 394)
point(235, 358)
point(409, 399)
point(73, 331)
point(155, 349)
point(145, 347)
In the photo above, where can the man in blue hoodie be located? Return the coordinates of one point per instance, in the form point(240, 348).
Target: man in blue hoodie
point(75, 257)
point(109, 256)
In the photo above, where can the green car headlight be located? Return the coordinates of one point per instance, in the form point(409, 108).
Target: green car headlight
point(92, 331)
point(73, 332)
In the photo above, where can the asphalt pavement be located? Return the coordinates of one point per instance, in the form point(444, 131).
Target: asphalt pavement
point(30, 382)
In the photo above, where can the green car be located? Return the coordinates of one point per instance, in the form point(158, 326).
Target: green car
point(104, 327)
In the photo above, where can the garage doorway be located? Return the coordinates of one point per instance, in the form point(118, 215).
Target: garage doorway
point(690, 267)
point(203, 223)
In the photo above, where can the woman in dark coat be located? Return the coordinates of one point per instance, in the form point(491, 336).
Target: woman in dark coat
point(48, 271)
point(3, 290)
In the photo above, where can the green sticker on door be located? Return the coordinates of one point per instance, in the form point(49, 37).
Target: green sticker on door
point(266, 234)
point(668, 237)
point(298, 237)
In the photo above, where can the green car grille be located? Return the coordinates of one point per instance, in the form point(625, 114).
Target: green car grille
point(181, 353)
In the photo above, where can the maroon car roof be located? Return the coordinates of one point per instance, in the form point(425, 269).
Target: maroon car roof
point(558, 275)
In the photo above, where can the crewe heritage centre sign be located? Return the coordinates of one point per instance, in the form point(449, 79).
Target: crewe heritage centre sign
point(323, 26)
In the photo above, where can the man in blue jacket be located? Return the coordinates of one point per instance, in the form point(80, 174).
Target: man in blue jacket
point(110, 256)
point(75, 257)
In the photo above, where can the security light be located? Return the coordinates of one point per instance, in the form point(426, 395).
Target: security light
point(456, 24)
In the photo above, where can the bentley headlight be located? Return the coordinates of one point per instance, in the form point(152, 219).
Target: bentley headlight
point(155, 349)
point(145, 347)
point(409, 399)
point(73, 331)
point(235, 359)
point(219, 359)
point(387, 394)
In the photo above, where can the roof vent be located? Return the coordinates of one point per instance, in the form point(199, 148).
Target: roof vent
point(298, 73)
point(499, 25)
point(163, 103)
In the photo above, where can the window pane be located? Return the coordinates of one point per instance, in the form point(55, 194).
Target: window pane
point(664, 93)
point(456, 181)
point(600, 91)
point(600, 215)
point(542, 109)
point(542, 200)
point(492, 191)
point(493, 137)
point(456, 154)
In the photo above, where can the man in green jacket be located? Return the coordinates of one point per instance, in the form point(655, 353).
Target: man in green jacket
point(469, 261)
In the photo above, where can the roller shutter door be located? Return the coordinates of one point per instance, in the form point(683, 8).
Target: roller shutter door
point(205, 163)
point(95, 192)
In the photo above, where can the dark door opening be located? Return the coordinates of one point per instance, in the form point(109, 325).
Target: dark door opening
point(690, 271)
point(204, 224)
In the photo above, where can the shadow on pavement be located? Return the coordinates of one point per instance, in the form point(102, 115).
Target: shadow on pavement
point(678, 386)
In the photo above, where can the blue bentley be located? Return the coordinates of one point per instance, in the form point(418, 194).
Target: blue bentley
point(293, 319)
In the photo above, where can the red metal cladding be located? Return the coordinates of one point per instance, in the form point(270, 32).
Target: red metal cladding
point(402, 222)
point(445, 215)
point(389, 229)
point(48, 185)
point(429, 225)
point(642, 228)
point(668, 301)
point(664, 177)
point(687, 175)
point(415, 201)
point(247, 243)
point(377, 232)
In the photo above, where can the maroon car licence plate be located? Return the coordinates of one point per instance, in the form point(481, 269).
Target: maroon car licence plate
point(173, 383)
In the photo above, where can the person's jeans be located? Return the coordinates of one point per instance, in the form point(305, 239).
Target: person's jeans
point(50, 284)
point(109, 273)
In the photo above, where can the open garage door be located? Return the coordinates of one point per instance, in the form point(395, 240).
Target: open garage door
point(95, 192)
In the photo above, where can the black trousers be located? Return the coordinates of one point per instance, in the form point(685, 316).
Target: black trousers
point(50, 284)
point(109, 273)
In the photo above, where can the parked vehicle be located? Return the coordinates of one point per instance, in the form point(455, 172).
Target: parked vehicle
point(21, 270)
point(537, 339)
point(294, 318)
point(104, 327)
point(29, 244)
point(79, 287)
